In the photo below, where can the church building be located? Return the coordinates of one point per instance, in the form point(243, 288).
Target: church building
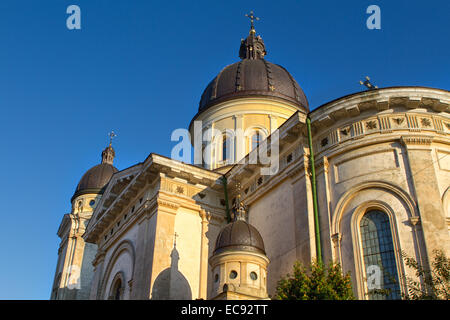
point(358, 180)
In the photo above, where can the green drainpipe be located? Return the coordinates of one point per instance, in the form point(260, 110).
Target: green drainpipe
point(314, 191)
point(225, 191)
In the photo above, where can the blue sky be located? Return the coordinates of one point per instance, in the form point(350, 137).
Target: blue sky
point(139, 68)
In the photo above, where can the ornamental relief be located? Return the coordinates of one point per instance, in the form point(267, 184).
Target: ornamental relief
point(179, 189)
point(399, 121)
point(383, 124)
point(425, 122)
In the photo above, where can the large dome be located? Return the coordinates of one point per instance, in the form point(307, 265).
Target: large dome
point(241, 236)
point(253, 76)
point(96, 178)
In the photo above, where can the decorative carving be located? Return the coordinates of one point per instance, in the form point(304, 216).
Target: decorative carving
point(326, 165)
point(336, 238)
point(180, 189)
point(414, 220)
point(398, 121)
point(167, 204)
point(372, 124)
point(425, 122)
point(345, 131)
point(205, 215)
point(417, 140)
point(447, 124)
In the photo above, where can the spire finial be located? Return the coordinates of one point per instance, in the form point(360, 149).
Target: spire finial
point(108, 154)
point(240, 208)
point(252, 47)
point(111, 135)
point(252, 18)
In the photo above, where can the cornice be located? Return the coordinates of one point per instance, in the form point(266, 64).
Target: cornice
point(379, 125)
point(436, 100)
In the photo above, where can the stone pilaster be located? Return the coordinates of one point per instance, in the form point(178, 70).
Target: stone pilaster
point(423, 176)
point(164, 244)
point(203, 284)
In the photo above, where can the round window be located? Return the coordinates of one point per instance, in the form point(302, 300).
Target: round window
point(253, 275)
point(92, 202)
point(233, 274)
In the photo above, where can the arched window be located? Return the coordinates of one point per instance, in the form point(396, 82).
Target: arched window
point(379, 257)
point(256, 140)
point(226, 148)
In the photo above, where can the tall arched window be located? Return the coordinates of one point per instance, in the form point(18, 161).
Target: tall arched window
point(379, 257)
point(226, 148)
point(256, 140)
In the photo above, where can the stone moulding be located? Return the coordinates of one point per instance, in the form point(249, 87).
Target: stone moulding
point(416, 140)
point(347, 196)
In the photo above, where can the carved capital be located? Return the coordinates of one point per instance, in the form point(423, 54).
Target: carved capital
point(205, 215)
point(326, 165)
point(414, 220)
point(167, 206)
point(336, 238)
point(99, 257)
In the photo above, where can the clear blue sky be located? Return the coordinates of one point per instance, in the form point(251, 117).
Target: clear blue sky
point(139, 67)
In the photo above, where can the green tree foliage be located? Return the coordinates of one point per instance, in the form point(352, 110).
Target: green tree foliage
point(318, 283)
point(435, 282)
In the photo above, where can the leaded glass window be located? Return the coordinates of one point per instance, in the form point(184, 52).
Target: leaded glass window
point(379, 257)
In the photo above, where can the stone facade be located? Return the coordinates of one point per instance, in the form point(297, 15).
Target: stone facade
point(152, 232)
point(377, 150)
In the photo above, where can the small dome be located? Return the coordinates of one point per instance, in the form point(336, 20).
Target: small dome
point(239, 235)
point(96, 178)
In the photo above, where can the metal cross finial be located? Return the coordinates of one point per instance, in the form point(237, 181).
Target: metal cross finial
point(368, 84)
point(111, 135)
point(175, 235)
point(239, 206)
point(252, 18)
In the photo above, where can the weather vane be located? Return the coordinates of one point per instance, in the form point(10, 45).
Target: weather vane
point(252, 18)
point(111, 135)
point(368, 84)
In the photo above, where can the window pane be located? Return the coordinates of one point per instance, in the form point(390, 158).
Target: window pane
point(379, 258)
point(256, 139)
point(226, 148)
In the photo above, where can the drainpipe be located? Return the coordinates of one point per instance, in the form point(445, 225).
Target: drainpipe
point(314, 192)
point(225, 191)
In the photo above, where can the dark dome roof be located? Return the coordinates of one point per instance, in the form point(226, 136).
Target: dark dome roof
point(253, 77)
point(96, 178)
point(239, 235)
